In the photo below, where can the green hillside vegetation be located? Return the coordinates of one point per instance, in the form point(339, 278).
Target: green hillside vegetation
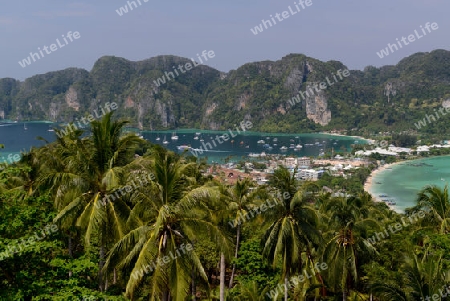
point(386, 99)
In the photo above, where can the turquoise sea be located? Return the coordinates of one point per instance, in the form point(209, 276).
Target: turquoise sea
point(406, 179)
point(21, 136)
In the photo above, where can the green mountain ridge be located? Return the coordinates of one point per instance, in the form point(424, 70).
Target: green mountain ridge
point(389, 98)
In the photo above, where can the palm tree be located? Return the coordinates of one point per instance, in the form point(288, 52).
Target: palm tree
point(87, 171)
point(350, 217)
point(174, 212)
point(437, 202)
point(239, 199)
point(292, 226)
point(422, 277)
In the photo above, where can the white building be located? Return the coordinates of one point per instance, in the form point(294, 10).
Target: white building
point(310, 174)
point(304, 162)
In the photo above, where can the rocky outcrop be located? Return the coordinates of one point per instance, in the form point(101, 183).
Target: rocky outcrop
point(317, 108)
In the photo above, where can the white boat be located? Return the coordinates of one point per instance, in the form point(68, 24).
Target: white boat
point(196, 138)
point(291, 146)
point(298, 146)
point(50, 129)
point(275, 139)
point(157, 138)
point(165, 141)
point(283, 148)
point(198, 134)
point(183, 147)
point(174, 137)
point(25, 127)
point(261, 142)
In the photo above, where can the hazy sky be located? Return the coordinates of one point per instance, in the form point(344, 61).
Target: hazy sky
point(351, 31)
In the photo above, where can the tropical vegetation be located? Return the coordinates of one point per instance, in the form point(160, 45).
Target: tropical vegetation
point(105, 215)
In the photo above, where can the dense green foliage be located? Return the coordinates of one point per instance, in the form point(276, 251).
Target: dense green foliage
point(163, 234)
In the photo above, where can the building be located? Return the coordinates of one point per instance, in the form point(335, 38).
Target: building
point(310, 174)
point(304, 162)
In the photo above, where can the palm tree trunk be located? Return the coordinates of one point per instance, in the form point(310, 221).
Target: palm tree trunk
point(166, 296)
point(286, 287)
point(222, 277)
point(70, 252)
point(193, 286)
point(101, 263)
point(238, 234)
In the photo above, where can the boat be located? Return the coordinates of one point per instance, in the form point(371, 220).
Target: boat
point(198, 134)
point(283, 148)
point(254, 155)
point(261, 142)
point(292, 146)
point(174, 136)
point(442, 179)
point(291, 140)
point(157, 138)
point(50, 129)
point(183, 147)
point(275, 139)
point(165, 141)
point(383, 195)
point(298, 146)
point(392, 203)
point(296, 137)
point(196, 138)
point(25, 127)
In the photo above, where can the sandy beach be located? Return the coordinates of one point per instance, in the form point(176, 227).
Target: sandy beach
point(369, 182)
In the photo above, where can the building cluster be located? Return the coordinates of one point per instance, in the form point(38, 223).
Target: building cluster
point(307, 168)
point(392, 150)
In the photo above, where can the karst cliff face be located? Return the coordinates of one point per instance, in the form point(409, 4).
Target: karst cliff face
point(259, 92)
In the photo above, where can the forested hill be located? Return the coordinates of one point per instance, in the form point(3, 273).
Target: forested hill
point(376, 99)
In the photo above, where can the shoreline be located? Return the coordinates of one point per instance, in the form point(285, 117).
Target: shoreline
point(369, 181)
point(341, 135)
